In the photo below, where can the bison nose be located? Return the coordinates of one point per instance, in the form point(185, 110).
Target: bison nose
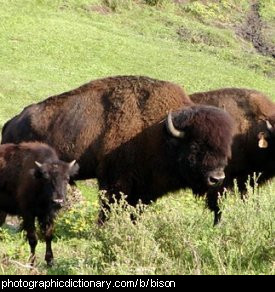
point(215, 179)
point(58, 202)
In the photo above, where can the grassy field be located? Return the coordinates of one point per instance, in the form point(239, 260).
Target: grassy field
point(50, 46)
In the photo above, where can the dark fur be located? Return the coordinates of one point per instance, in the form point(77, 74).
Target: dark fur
point(115, 128)
point(31, 191)
point(249, 109)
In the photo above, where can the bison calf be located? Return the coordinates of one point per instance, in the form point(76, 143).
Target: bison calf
point(33, 185)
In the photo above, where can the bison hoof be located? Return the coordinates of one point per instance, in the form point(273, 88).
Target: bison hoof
point(32, 259)
point(50, 263)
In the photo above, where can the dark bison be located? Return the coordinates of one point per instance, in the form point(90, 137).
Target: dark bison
point(254, 134)
point(118, 130)
point(33, 185)
point(189, 149)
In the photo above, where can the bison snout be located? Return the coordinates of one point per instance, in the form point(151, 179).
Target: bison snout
point(58, 202)
point(215, 178)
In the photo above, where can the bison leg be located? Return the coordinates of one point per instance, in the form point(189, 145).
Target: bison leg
point(47, 230)
point(3, 216)
point(29, 227)
point(212, 203)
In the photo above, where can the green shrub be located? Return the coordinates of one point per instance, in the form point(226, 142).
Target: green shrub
point(116, 5)
point(225, 11)
point(176, 236)
point(156, 2)
point(76, 222)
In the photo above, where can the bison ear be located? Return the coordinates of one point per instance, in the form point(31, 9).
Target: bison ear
point(73, 168)
point(262, 143)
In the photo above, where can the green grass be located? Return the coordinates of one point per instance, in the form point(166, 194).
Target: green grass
point(47, 47)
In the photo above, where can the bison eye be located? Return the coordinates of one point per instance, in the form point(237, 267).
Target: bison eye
point(46, 176)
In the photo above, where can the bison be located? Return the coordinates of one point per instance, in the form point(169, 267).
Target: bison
point(86, 123)
point(189, 149)
point(253, 140)
point(118, 130)
point(33, 185)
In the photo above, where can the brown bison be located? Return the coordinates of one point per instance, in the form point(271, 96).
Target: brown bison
point(33, 185)
point(254, 135)
point(119, 132)
point(86, 123)
point(187, 150)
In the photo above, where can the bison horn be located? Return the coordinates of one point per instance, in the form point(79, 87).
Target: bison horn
point(71, 164)
point(171, 128)
point(269, 126)
point(38, 164)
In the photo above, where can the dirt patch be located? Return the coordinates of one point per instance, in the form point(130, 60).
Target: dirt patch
point(188, 1)
point(181, 1)
point(194, 37)
point(101, 9)
point(252, 31)
point(203, 35)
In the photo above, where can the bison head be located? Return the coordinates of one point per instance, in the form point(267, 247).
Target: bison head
point(200, 145)
point(266, 138)
point(53, 178)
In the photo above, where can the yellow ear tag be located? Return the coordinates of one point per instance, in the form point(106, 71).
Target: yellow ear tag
point(262, 141)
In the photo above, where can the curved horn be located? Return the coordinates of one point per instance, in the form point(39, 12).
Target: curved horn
point(38, 164)
point(269, 126)
point(171, 128)
point(71, 164)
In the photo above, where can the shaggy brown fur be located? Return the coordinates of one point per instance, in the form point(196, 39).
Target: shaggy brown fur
point(249, 109)
point(33, 191)
point(87, 123)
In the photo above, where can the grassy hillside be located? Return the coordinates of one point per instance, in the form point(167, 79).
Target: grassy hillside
point(50, 46)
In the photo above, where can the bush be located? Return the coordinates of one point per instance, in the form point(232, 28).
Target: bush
point(156, 2)
point(175, 236)
point(116, 5)
point(76, 222)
